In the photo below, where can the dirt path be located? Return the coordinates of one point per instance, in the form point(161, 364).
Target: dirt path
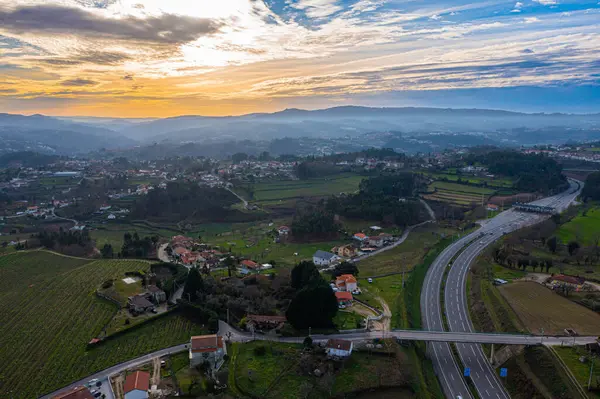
point(118, 385)
point(386, 321)
point(155, 380)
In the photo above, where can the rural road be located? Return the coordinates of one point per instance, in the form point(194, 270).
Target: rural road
point(456, 307)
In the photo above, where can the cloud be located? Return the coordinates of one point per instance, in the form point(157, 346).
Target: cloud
point(78, 82)
point(517, 7)
point(8, 91)
point(435, 17)
point(531, 20)
point(527, 51)
point(317, 8)
point(128, 77)
point(53, 20)
point(89, 57)
point(546, 2)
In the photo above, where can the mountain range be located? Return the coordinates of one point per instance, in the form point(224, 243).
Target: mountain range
point(76, 135)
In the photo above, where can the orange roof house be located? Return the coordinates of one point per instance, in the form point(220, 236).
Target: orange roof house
point(344, 296)
point(75, 393)
point(249, 264)
point(206, 343)
point(138, 381)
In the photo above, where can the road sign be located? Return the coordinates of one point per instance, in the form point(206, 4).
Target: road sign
point(467, 372)
point(503, 372)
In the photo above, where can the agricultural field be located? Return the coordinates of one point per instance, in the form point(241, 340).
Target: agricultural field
point(459, 194)
point(347, 320)
point(49, 311)
point(538, 307)
point(494, 182)
point(291, 189)
point(585, 229)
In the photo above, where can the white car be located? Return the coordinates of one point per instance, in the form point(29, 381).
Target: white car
point(93, 382)
point(370, 280)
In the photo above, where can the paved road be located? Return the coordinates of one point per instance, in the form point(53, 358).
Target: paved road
point(455, 302)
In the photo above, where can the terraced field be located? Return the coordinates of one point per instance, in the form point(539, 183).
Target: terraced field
point(458, 194)
point(48, 314)
point(290, 189)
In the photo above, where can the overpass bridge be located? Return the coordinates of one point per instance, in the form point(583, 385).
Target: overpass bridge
point(534, 208)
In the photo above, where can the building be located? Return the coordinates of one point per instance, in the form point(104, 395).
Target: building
point(346, 282)
point(139, 304)
point(360, 237)
point(376, 241)
point(562, 279)
point(492, 207)
point(75, 393)
point(207, 348)
point(344, 298)
point(323, 258)
point(156, 295)
point(283, 230)
point(346, 251)
point(111, 216)
point(338, 348)
point(249, 266)
point(136, 385)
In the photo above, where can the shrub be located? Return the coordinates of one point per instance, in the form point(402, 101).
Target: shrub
point(260, 350)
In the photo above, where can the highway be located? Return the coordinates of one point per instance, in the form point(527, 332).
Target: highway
point(455, 301)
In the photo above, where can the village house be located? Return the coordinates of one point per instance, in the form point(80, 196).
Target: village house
point(344, 298)
point(249, 266)
point(345, 251)
point(136, 385)
point(156, 295)
point(75, 393)
point(264, 323)
point(492, 207)
point(323, 258)
point(138, 304)
point(376, 241)
point(207, 348)
point(338, 348)
point(360, 237)
point(346, 282)
point(562, 279)
point(283, 230)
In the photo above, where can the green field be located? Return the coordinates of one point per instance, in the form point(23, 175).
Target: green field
point(581, 371)
point(347, 320)
point(49, 312)
point(586, 228)
point(290, 189)
point(499, 182)
point(459, 194)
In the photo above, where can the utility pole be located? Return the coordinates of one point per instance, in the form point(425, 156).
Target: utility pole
point(591, 372)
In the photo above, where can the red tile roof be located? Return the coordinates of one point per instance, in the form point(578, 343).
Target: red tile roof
point(206, 343)
point(340, 344)
point(249, 264)
point(347, 278)
point(75, 393)
point(343, 296)
point(569, 279)
point(360, 235)
point(138, 380)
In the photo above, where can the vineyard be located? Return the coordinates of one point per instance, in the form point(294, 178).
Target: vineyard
point(458, 194)
point(48, 314)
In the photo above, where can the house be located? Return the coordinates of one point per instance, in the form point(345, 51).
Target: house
point(207, 348)
point(249, 266)
point(346, 251)
point(283, 230)
point(387, 238)
point(139, 304)
point(344, 298)
point(75, 393)
point(346, 282)
point(111, 217)
point(338, 348)
point(360, 237)
point(323, 258)
point(492, 207)
point(136, 385)
point(575, 282)
point(258, 322)
point(376, 241)
point(156, 295)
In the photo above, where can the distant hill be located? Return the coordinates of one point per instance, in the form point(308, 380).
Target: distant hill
point(27, 159)
point(46, 134)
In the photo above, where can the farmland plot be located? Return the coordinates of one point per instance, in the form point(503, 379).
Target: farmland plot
point(48, 314)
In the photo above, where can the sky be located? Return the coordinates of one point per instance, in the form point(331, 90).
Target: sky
point(160, 58)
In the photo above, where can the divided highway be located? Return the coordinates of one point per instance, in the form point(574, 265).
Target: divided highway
point(455, 301)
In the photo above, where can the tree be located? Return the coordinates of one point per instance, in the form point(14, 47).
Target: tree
point(314, 306)
point(345, 268)
point(308, 342)
point(573, 247)
point(107, 251)
point(303, 274)
point(552, 244)
point(193, 285)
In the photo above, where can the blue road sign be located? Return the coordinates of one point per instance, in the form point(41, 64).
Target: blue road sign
point(503, 372)
point(467, 372)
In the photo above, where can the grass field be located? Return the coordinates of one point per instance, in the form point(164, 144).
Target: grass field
point(538, 307)
point(289, 189)
point(581, 371)
point(347, 320)
point(459, 194)
point(492, 182)
point(586, 228)
point(48, 311)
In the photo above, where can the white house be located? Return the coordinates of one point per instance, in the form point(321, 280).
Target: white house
point(137, 385)
point(111, 217)
point(338, 348)
point(323, 258)
point(283, 230)
point(346, 282)
point(207, 348)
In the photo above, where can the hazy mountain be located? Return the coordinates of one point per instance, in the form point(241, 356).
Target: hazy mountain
point(51, 135)
point(340, 121)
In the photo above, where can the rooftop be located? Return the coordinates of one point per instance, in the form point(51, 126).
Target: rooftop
point(206, 343)
point(140, 380)
point(323, 255)
point(340, 344)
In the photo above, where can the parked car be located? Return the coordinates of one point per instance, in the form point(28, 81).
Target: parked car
point(370, 280)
